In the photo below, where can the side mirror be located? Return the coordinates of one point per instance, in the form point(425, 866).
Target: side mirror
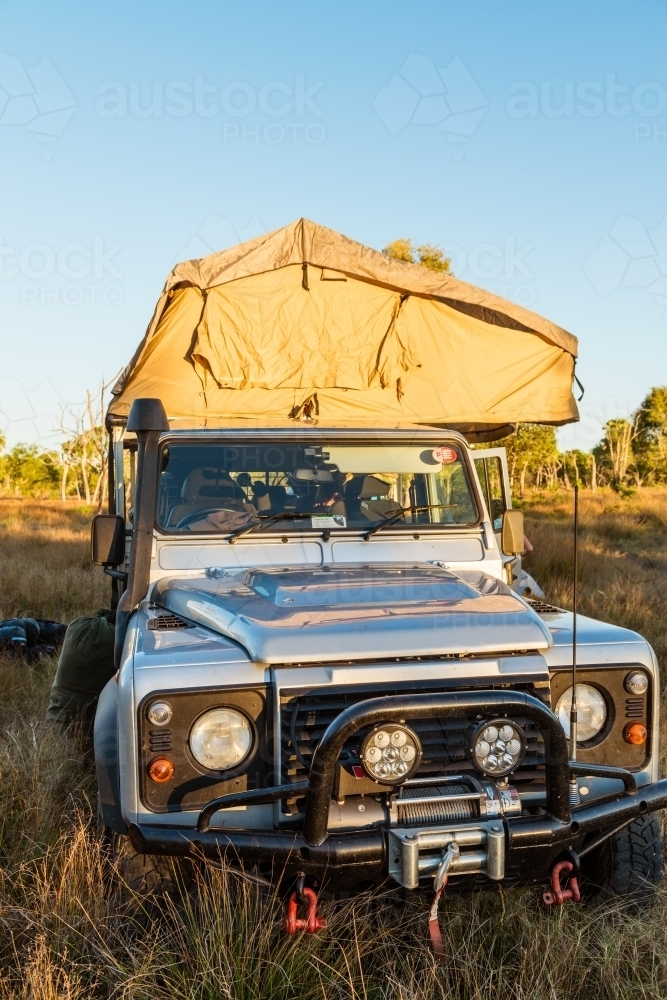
point(511, 534)
point(107, 540)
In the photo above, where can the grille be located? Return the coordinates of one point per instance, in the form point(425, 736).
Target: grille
point(159, 740)
point(634, 708)
point(163, 622)
point(306, 716)
point(543, 608)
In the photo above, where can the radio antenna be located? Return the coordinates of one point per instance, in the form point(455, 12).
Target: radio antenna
point(574, 788)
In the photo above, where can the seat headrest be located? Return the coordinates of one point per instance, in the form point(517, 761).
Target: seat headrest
point(364, 487)
point(202, 483)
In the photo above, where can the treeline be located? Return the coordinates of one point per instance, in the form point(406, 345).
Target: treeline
point(77, 469)
point(632, 453)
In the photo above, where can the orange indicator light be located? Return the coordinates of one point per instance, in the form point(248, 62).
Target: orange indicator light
point(635, 733)
point(161, 769)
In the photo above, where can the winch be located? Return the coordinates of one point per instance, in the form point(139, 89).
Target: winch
point(455, 798)
point(416, 849)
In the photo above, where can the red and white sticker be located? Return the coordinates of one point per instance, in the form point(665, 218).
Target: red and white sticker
point(445, 455)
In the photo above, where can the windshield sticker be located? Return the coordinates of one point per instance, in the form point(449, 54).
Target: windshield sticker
point(328, 521)
point(445, 455)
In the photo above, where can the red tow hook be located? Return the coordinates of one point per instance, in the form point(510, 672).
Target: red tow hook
point(558, 896)
point(312, 923)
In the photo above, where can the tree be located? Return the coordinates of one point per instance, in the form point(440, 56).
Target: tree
point(650, 443)
point(427, 255)
point(614, 454)
point(532, 456)
point(29, 472)
point(84, 449)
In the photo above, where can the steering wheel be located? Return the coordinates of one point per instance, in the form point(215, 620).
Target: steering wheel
point(203, 512)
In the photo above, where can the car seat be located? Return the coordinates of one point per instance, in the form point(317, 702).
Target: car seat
point(204, 488)
point(366, 499)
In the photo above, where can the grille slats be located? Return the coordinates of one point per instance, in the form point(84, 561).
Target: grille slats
point(634, 708)
point(162, 623)
point(159, 740)
point(542, 607)
point(444, 741)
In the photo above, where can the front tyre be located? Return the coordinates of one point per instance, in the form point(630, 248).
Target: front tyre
point(627, 865)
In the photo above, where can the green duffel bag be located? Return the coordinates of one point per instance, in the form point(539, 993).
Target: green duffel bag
point(86, 664)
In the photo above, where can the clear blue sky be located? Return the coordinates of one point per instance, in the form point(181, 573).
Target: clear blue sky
point(529, 139)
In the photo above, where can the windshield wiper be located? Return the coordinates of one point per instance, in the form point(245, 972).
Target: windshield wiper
point(399, 513)
point(265, 519)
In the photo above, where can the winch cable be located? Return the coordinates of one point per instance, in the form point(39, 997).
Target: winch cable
point(439, 885)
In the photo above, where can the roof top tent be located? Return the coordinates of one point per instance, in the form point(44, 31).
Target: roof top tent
point(304, 324)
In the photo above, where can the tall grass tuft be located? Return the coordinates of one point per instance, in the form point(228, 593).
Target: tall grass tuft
point(66, 933)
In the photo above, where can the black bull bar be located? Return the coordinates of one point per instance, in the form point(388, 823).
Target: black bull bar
point(533, 842)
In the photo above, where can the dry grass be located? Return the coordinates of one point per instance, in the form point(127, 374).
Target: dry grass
point(64, 934)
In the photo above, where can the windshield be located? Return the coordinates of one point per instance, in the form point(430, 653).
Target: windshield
point(224, 488)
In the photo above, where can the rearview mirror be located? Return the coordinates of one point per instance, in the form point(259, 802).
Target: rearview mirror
point(511, 534)
point(107, 540)
point(313, 475)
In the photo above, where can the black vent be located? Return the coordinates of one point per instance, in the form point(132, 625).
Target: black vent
point(159, 740)
point(161, 623)
point(304, 719)
point(543, 608)
point(634, 708)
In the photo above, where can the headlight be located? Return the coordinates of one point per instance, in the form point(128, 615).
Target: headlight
point(390, 753)
point(591, 712)
point(498, 747)
point(220, 739)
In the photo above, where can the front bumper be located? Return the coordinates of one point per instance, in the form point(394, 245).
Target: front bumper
point(530, 843)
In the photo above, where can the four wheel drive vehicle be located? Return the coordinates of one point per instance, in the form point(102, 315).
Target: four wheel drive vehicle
point(323, 669)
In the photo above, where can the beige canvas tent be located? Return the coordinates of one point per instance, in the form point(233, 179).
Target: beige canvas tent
point(304, 323)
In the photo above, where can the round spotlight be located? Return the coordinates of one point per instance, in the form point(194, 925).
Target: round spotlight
point(498, 747)
point(636, 682)
point(159, 713)
point(390, 753)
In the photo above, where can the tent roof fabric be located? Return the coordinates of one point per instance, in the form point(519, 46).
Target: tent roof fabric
point(304, 316)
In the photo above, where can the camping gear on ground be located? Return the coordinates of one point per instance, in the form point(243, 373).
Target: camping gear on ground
point(13, 637)
point(304, 323)
point(85, 665)
point(29, 625)
point(31, 636)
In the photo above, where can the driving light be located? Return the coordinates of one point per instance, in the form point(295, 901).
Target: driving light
point(636, 682)
point(159, 713)
point(390, 753)
point(161, 769)
point(221, 738)
point(591, 712)
point(498, 747)
point(635, 733)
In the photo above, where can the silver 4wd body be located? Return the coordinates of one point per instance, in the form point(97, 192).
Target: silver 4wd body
point(324, 666)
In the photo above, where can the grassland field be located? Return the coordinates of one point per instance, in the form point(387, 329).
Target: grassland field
point(66, 932)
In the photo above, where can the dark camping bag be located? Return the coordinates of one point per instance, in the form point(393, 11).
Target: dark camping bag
point(86, 664)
